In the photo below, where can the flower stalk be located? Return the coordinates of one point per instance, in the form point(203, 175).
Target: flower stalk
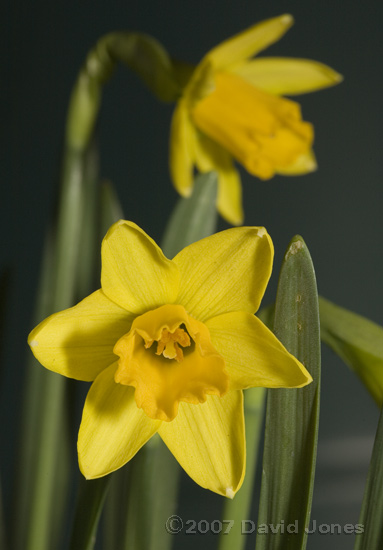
point(141, 53)
point(45, 420)
point(240, 507)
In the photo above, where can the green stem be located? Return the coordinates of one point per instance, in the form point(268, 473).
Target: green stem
point(141, 53)
point(193, 218)
point(111, 210)
point(38, 536)
point(90, 501)
point(238, 509)
point(49, 388)
point(153, 487)
point(88, 275)
point(32, 409)
point(116, 505)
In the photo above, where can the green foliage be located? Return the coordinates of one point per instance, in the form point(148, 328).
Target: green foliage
point(141, 53)
point(193, 218)
point(358, 341)
point(292, 415)
point(90, 501)
point(239, 508)
point(372, 508)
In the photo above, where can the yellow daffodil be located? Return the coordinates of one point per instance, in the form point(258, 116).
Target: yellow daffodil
point(231, 107)
point(169, 346)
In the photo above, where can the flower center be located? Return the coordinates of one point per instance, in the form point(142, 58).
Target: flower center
point(262, 131)
point(169, 344)
point(169, 375)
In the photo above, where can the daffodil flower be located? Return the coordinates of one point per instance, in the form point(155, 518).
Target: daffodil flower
point(231, 107)
point(169, 346)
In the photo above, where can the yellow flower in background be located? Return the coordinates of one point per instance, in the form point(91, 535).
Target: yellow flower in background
point(231, 108)
point(169, 346)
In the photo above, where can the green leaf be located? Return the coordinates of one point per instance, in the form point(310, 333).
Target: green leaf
point(371, 515)
point(90, 501)
point(44, 462)
point(355, 339)
point(32, 418)
point(193, 218)
point(358, 341)
point(292, 414)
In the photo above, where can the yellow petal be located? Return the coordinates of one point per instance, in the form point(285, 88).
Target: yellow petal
point(208, 153)
point(249, 42)
point(262, 131)
point(304, 164)
point(135, 273)
point(228, 271)
point(112, 429)
point(208, 440)
point(254, 357)
point(78, 342)
point(230, 194)
point(181, 150)
point(287, 76)
point(211, 156)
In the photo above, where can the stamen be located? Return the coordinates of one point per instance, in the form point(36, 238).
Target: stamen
point(169, 344)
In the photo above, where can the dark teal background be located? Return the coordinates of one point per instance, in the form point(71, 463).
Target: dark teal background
point(337, 209)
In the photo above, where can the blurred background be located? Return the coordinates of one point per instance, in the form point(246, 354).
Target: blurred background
point(337, 210)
